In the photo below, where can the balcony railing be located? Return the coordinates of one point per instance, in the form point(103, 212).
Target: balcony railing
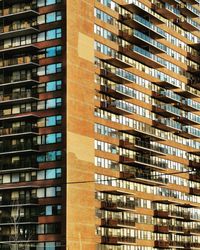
point(142, 160)
point(18, 165)
point(117, 239)
point(18, 202)
point(25, 61)
point(8, 220)
point(11, 13)
point(7, 98)
point(9, 148)
point(18, 130)
point(142, 145)
point(118, 205)
point(117, 223)
point(26, 28)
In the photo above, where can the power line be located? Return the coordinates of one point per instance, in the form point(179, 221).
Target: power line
point(113, 179)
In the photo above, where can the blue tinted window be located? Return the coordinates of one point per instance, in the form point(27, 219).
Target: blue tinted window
point(53, 68)
point(53, 85)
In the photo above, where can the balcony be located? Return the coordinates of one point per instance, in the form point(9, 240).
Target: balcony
point(141, 9)
point(141, 146)
point(26, 147)
point(119, 60)
point(167, 110)
point(177, 244)
point(118, 240)
point(161, 229)
point(161, 214)
point(18, 166)
point(144, 161)
point(188, 10)
point(23, 97)
point(145, 56)
point(21, 202)
point(190, 92)
point(167, 96)
point(7, 220)
point(11, 14)
point(12, 64)
point(176, 229)
point(168, 124)
point(190, 119)
point(115, 76)
point(167, 10)
point(194, 177)
point(161, 244)
point(188, 24)
point(25, 130)
point(138, 22)
point(9, 82)
point(5, 238)
point(194, 69)
point(189, 105)
point(195, 191)
point(147, 132)
point(117, 91)
point(118, 107)
point(117, 223)
point(10, 31)
point(118, 205)
point(149, 179)
point(29, 48)
point(6, 117)
point(190, 132)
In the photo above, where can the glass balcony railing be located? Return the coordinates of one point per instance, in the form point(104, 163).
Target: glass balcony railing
point(170, 94)
point(149, 55)
point(114, 205)
point(26, 146)
point(192, 117)
point(22, 26)
point(192, 9)
point(191, 103)
point(18, 61)
point(20, 9)
point(18, 130)
point(16, 96)
point(170, 123)
point(11, 80)
point(18, 202)
point(117, 239)
point(19, 165)
point(170, 109)
point(193, 23)
point(172, 9)
point(149, 40)
point(149, 25)
point(191, 130)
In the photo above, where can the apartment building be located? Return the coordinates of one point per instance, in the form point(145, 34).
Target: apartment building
point(99, 124)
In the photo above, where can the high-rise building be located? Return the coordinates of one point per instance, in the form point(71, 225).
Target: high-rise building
point(99, 124)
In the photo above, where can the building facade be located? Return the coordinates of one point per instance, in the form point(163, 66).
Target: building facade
point(99, 124)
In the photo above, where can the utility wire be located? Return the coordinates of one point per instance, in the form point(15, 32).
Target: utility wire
point(113, 179)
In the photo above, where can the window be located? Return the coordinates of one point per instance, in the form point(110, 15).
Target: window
point(53, 17)
point(53, 34)
point(50, 69)
point(53, 51)
point(48, 2)
point(50, 156)
point(53, 173)
point(51, 138)
point(53, 85)
point(53, 103)
point(53, 120)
